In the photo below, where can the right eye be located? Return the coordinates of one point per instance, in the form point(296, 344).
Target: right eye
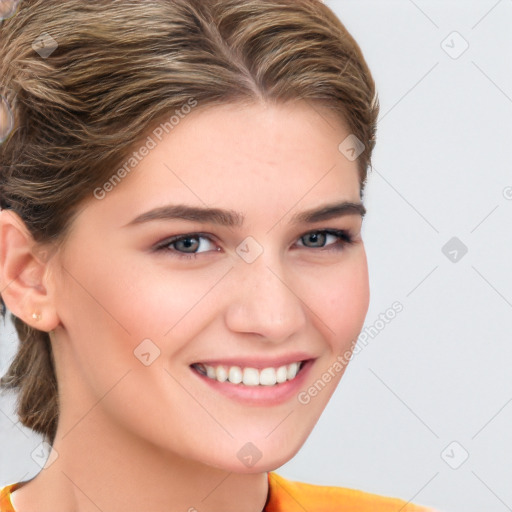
point(186, 246)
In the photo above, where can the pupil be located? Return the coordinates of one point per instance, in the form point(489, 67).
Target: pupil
point(314, 237)
point(188, 243)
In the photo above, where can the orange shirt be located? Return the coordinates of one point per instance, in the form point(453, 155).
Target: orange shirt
point(287, 496)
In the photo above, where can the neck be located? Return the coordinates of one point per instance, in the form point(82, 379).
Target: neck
point(100, 467)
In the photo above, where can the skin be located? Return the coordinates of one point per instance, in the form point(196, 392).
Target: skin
point(135, 437)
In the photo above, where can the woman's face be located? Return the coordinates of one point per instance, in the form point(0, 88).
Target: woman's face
point(254, 285)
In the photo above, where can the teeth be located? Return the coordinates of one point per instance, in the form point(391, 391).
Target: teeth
point(281, 374)
point(268, 377)
point(220, 373)
point(235, 374)
point(250, 376)
point(292, 370)
point(210, 372)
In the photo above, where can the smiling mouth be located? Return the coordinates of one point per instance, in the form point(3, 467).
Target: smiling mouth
point(247, 376)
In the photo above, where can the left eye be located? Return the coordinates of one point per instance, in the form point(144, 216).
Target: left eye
point(189, 244)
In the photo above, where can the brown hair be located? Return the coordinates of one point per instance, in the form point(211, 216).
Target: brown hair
point(117, 67)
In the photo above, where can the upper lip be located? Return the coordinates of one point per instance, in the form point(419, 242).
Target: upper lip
point(258, 363)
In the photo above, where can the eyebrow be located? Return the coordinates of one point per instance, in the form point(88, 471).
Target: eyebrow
point(231, 218)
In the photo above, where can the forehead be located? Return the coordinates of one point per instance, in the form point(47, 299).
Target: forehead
point(243, 157)
point(293, 132)
point(253, 140)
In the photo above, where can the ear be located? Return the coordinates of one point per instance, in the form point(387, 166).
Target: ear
point(23, 274)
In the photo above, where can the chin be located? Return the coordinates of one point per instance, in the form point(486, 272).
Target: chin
point(258, 456)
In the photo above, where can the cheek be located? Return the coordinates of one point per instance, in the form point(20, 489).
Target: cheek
point(141, 297)
point(165, 299)
point(353, 299)
point(341, 299)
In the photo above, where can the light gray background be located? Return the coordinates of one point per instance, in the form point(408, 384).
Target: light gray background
point(440, 371)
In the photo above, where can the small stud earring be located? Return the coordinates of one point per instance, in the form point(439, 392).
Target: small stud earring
point(36, 316)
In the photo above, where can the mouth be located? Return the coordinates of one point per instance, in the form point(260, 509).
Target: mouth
point(249, 376)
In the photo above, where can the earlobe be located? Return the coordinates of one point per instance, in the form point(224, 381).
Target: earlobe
point(22, 275)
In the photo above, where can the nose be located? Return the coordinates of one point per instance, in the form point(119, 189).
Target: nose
point(263, 301)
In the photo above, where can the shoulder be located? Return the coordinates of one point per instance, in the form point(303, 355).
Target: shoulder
point(5, 497)
point(289, 496)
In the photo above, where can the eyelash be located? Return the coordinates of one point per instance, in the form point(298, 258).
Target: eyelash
point(344, 239)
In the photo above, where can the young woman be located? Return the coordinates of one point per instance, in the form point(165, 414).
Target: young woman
point(180, 247)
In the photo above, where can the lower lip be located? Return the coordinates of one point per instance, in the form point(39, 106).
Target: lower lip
point(260, 395)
